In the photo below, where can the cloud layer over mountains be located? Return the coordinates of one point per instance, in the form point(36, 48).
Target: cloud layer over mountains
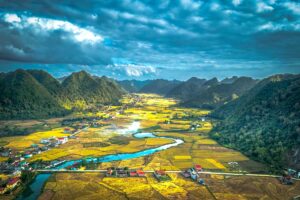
point(148, 39)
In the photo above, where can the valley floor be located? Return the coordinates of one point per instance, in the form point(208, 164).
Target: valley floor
point(161, 116)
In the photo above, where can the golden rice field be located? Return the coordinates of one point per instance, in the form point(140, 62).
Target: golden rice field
point(22, 142)
point(153, 112)
point(93, 185)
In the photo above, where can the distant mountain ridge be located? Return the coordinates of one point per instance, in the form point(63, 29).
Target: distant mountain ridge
point(133, 85)
point(194, 92)
point(159, 86)
point(211, 93)
point(36, 94)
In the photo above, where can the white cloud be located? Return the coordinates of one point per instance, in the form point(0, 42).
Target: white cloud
point(262, 7)
point(236, 2)
point(294, 7)
point(214, 6)
point(134, 70)
point(279, 27)
point(12, 18)
point(190, 4)
point(45, 24)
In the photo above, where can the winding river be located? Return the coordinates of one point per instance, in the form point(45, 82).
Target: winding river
point(33, 191)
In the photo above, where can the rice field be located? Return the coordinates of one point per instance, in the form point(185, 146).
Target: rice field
point(156, 115)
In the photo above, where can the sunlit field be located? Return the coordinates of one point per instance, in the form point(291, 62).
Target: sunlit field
point(156, 115)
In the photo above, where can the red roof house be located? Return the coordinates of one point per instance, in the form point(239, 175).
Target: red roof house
point(133, 174)
point(198, 167)
point(140, 172)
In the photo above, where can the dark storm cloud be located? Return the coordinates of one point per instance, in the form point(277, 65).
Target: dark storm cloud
point(156, 38)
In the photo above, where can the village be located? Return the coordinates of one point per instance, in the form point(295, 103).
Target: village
point(18, 160)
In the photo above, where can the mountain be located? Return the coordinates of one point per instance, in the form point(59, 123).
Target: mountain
point(27, 94)
point(159, 86)
point(264, 122)
point(210, 93)
point(133, 85)
point(51, 84)
point(186, 89)
point(83, 90)
point(229, 80)
point(22, 96)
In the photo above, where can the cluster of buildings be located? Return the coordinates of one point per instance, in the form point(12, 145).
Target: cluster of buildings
point(288, 175)
point(16, 160)
point(193, 174)
point(124, 172)
point(54, 141)
point(9, 184)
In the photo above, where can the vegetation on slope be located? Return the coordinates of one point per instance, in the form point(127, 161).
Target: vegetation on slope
point(211, 93)
point(159, 86)
point(264, 122)
point(133, 85)
point(83, 91)
point(22, 96)
point(36, 94)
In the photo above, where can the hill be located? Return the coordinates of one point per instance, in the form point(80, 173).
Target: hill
point(36, 94)
point(22, 96)
point(50, 83)
point(159, 86)
point(82, 90)
point(186, 89)
point(264, 122)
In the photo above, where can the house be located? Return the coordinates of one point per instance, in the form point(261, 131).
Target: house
point(67, 130)
point(286, 180)
point(13, 182)
point(44, 148)
point(186, 174)
point(140, 172)
point(27, 154)
point(132, 173)
point(161, 175)
point(62, 140)
point(194, 176)
point(198, 168)
point(35, 146)
point(109, 172)
point(44, 141)
point(201, 181)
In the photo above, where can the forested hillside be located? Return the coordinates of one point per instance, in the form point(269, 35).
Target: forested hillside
point(159, 86)
point(211, 93)
point(22, 96)
point(36, 94)
point(264, 123)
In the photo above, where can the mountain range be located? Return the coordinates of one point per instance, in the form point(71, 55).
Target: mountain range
point(194, 92)
point(27, 94)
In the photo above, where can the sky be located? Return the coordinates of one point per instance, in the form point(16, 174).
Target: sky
point(149, 39)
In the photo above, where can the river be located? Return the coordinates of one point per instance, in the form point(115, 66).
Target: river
point(33, 191)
